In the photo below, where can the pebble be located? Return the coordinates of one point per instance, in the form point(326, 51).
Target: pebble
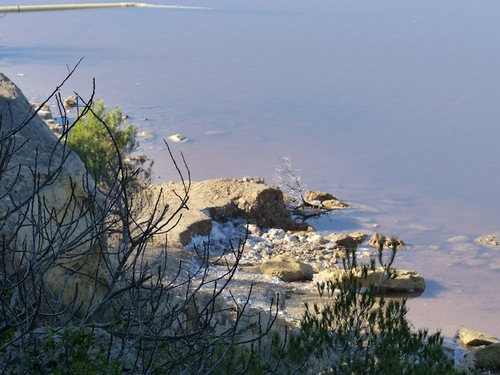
point(178, 138)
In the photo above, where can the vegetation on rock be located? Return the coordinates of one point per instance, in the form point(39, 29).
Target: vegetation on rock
point(105, 143)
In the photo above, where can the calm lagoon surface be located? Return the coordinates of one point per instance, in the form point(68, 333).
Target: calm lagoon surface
point(393, 106)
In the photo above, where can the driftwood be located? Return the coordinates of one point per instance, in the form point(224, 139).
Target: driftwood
point(44, 8)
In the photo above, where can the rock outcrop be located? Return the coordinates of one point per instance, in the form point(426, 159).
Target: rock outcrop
point(48, 204)
point(222, 200)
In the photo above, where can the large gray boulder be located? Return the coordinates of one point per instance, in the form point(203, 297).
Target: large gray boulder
point(50, 208)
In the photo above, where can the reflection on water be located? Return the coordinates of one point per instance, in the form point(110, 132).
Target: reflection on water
point(392, 105)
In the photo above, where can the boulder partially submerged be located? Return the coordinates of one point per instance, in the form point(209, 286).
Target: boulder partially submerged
point(320, 199)
point(398, 281)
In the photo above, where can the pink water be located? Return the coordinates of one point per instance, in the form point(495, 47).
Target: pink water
point(390, 105)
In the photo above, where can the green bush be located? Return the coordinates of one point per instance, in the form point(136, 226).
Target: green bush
point(70, 351)
point(358, 331)
point(105, 143)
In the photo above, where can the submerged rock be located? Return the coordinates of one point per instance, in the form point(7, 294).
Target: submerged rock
point(490, 239)
point(178, 138)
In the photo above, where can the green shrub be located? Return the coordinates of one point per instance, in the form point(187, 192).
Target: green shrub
point(105, 144)
point(217, 359)
point(358, 331)
point(70, 351)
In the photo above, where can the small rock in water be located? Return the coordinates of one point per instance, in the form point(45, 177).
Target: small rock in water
point(458, 239)
point(178, 138)
point(490, 239)
point(214, 132)
point(147, 134)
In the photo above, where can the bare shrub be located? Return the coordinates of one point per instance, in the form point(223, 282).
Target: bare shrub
point(289, 180)
point(81, 291)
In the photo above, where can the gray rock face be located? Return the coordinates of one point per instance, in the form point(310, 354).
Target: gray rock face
point(49, 205)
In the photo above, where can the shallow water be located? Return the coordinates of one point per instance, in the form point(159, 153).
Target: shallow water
point(390, 105)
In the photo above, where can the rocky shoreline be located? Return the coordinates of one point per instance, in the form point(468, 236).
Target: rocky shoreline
point(282, 259)
point(284, 265)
